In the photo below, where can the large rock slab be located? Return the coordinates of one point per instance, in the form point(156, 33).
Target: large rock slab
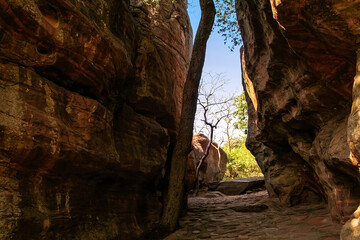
point(90, 99)
point(298, 65)
point(236, 186)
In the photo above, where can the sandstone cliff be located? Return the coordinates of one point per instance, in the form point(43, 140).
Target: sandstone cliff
point(90, 97)
point(299, 63)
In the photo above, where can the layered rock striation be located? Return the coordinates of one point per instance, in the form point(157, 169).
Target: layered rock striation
point(90, 98)
point(299, 60)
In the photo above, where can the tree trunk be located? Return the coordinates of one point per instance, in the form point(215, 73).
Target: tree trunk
point(185, 131)
point(202, 160)
point(219, 155)
point(228, 136)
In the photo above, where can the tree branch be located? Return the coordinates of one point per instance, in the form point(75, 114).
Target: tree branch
point(175, 195)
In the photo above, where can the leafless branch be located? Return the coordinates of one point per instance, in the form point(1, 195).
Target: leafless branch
point(213, 110)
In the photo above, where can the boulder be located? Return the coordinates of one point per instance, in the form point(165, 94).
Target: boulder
point(351, 229)
point(237, 186)
point(214, 166)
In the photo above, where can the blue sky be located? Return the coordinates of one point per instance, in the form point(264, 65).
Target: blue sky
point(219, 58)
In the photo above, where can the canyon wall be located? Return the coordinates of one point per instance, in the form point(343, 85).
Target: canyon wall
point(299, 62)
point(90, 97)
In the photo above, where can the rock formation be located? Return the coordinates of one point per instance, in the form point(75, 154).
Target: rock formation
point(351, 229)
point(213, 168)
point(299, 60)
point(90, 97)
point(238, 185)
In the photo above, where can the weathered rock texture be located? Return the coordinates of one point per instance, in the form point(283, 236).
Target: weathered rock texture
point(238, 185)
point(351, 229)
point(214, 166)
point(90, 97)
point(299, 63)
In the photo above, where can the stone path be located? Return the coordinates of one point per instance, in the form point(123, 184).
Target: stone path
point(253, 217)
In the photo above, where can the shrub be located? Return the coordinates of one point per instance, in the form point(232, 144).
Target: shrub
point(241, 163)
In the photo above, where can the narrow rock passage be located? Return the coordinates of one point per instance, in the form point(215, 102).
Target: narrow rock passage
point(254, 216)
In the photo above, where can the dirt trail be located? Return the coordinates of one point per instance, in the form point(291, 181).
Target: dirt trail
point(254, 216)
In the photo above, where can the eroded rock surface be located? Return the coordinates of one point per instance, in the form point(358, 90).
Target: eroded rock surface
point(237, 186)
point(351, 229)
point(214, 166)
point(299, 63)
point(254, 217)
point(90, 97)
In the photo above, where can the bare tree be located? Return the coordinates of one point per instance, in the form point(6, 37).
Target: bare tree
point(213, 109)
point(182, 147)
point(217, 147)
point(229, 109)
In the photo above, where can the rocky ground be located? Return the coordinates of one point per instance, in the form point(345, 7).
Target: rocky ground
point(253, 216)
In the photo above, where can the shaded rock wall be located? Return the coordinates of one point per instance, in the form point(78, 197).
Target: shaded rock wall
point(299, 64)
point(90, 97)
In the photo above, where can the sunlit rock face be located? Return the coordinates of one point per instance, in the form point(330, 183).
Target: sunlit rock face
point(214, 166)
point(299, 63)
point(90, 97)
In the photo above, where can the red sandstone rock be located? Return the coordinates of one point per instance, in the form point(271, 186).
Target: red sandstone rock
point(214, 166)
point(298, 65)
point(90, 96)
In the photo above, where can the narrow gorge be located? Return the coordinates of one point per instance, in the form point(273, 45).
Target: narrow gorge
point(90, 104)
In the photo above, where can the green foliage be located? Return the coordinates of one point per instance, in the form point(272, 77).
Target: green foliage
point(227, 23)
point(241, 163)
point(241, 113)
